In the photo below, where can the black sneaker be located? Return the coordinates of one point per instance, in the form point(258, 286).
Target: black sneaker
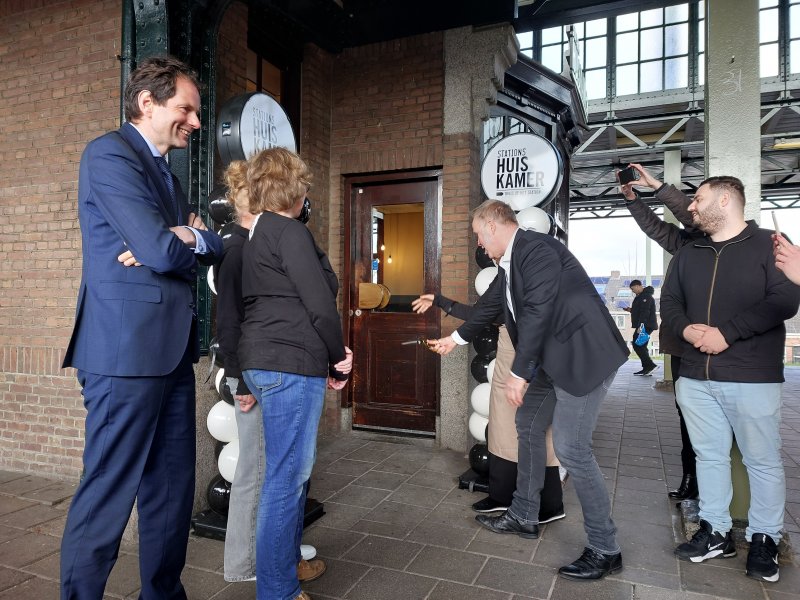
point(762, 560)
point(650, 370)
point(488, 505)
point(706, 544)
point(639, 372)
point(552, 516)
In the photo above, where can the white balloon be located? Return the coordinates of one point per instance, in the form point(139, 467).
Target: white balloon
point(221, 422)
point(490, 370)
point(484, 279)
point(227, 460)
point(534, 219)
point(477, 426)
point(218, 381)
point(480, 399)
point(210, 280)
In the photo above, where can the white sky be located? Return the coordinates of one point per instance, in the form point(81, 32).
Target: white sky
point(603, 245)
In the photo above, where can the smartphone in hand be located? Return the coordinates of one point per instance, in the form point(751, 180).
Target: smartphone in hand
point(628, 175)
point(775, 222)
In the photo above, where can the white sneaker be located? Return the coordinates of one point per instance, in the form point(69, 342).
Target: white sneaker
point(307, 552)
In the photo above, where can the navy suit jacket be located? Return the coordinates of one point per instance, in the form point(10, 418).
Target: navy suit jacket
point(561, 324)
point(132, 321)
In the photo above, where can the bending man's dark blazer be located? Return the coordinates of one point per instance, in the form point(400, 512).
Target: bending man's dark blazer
point(561, 324)
point(132, 321)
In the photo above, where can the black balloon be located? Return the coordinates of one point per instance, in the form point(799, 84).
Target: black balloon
point(479, 459)
point(220, 210)
point(479, 368)
point(219, 495)
point(224, 392)
point(485, 342)
point(482, 258)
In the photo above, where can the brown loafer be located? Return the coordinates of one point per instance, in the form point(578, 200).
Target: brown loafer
point(309, 570)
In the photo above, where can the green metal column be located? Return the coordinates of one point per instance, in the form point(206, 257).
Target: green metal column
point(733, 133)
point(672, 174)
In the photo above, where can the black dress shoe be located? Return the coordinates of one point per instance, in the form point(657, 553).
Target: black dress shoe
point(687, 489)
point(506, 523)
point(592, 565)
point(639, 372)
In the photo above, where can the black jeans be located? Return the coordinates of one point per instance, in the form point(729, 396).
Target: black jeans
point(643, 354)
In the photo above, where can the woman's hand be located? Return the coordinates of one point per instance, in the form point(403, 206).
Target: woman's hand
point(336, 384)
point(246, 402)
point(346, 365)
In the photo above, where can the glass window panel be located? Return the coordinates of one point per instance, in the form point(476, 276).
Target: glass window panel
point(701, 69)
point(525, 39)
point(794, 21)
point(767, 3)
point(701, 37)
point(677, 39)
point(627, 22)
point(596, 27)
point(628, 47)
point(594, 54)
point(653, 17)
point(651, 76)
point(528, 52)
point(579, 29)
point(794, 56)
point(551, 35)
point(768, 25)
point(627, 80)
point(675, 14)
point(769, 60)
point(652, 44)
point(551, 57)
point(676, 73)
point(701, 7)
point(595, 84)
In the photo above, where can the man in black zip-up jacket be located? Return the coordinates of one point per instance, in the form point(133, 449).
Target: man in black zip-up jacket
point(725, 297)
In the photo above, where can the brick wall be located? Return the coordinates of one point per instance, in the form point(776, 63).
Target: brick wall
point(59, 85)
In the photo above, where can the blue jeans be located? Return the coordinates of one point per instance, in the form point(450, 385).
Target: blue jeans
point(240, 537)
point(715, 412)
point(574, 419)
point(291, 406)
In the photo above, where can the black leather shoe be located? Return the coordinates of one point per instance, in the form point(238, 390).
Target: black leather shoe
point(687, 489)
point(592, 565)
point(506, 523)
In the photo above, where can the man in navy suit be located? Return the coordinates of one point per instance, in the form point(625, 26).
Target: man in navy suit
point(135, 339)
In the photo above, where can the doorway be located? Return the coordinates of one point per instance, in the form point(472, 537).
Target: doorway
point(394, 241)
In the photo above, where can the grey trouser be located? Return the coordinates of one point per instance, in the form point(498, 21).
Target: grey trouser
point(574, 419)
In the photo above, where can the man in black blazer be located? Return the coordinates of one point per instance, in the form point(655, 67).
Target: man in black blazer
point(568, 350)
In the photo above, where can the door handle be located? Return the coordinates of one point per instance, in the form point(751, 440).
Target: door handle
point(358, 312)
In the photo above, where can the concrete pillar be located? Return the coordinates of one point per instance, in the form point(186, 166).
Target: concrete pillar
point(733, 96)
point(733, 133)
point(475, 64)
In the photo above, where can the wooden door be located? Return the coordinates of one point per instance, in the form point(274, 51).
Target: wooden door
point(394, 241)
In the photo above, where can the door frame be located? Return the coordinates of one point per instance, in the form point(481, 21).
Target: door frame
point(434, 262)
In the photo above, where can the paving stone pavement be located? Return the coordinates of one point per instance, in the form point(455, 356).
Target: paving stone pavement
point(397, 526)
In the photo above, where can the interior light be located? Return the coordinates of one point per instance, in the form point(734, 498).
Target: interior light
point(389, 260)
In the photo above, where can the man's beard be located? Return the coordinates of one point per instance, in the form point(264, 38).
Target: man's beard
point(710, 221)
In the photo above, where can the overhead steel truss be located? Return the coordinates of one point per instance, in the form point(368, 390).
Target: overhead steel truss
point(617, 140)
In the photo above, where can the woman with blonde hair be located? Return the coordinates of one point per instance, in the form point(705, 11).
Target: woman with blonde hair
point(291, 348)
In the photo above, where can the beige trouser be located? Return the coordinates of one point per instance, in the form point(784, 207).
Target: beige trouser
point(502, 427)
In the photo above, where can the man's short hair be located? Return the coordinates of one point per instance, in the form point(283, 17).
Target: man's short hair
point(635, 282)
point(159, 76)
point(277, 179)
point(495, 210)
point(726, 183)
